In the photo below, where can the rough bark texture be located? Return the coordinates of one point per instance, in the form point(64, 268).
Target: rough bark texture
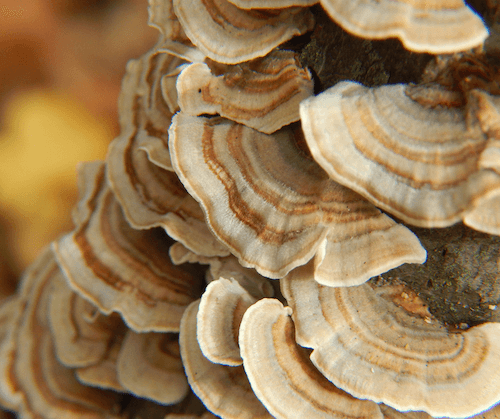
point(459, 281)
point(334, 55)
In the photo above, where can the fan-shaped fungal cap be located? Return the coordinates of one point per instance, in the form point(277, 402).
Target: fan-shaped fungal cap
point(104, 373)
point(263, 94)
point(275, 208)
point(144, 113)
point(46, 388)
point(81, 334)
point(139, 162)
point(153, 197)
point(375, 350)
point(417, 162)
point(230, 35)
point(220, 312)
point(281, 374)
point(121, 269)
point(438, 27)
point(149, 366)
point(224, 390)
point(175, 41)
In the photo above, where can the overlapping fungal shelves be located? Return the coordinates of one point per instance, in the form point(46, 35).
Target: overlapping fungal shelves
point(223, 255)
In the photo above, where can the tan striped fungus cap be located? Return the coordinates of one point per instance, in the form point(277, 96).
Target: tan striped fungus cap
point(374, 349)
point(421, 160)
point(138, 161)
point(149, 366)
point(224, 390)
point(121, 269)
point(39, 385)
point(174, 39)
point(282, 375)
point(437, 27)
point(275, 208)
point(145, 107)
point(81, 333)
point(263, 94)
point(221, 309)
point(230, 35)
point(104, 374)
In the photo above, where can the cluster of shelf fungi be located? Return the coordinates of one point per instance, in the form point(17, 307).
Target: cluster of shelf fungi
point(222, 255)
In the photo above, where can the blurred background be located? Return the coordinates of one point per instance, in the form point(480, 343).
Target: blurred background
point(61, 65)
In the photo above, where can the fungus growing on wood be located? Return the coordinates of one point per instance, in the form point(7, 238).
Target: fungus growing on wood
point(81, 333)
point(39, 384)
point(275, 208)
point(174, 40)
point(121, 269)
point(138, 161)
point(144, 112)
point(282, 375)
point(230, 35)
point(221, 309)
point(224, 390)
point(149, 365)
point(419, 162)
point(263, 94)
point(104, 374)
point(443, 26)
point(376, 350)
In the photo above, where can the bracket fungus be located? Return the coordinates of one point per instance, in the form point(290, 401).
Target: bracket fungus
point(104, 374)
point(149, 365)
point(281, 374)
point(121, 269)
point(230, 35)
point(39, 384)
point(438, 27)
point(263, 94)
point(81, 333)
point(228, 174)
point(144, 111)
point(224, 390)
point(221, 309)
point(138, 161)
point(376, 350)
point(275, 208)
point(420, 163)
point(174, 40)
